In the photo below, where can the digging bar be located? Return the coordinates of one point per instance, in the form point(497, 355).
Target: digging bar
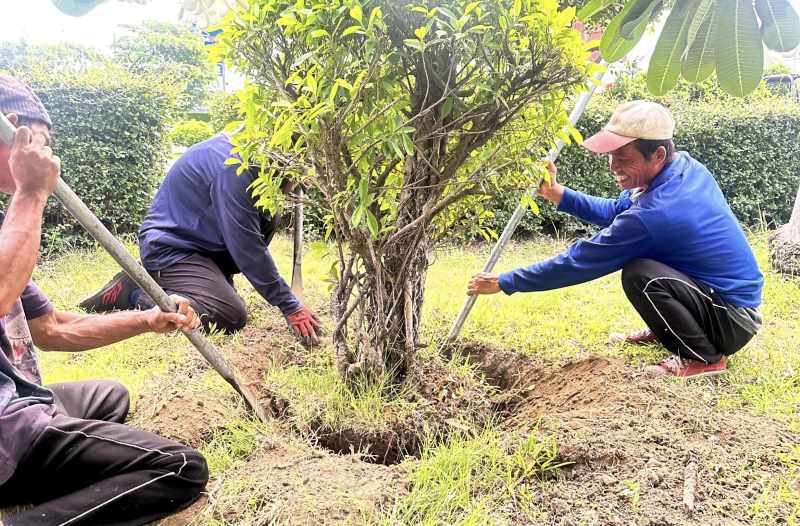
point(512, 224)
point(101, 234)
point(297, 250)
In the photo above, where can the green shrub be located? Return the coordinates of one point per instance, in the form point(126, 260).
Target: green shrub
point(224, 109)
point(109, 131)
point(750, 146)
point(187, 133)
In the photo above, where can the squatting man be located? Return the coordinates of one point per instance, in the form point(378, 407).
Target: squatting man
point(687, 267)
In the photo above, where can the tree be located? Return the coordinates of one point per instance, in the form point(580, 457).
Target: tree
point(73, 58)
point(784, 244)
point(168, 53)
point(404, 116)
point(700, 37)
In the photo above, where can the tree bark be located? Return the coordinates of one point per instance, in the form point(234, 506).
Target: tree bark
point(784, 244)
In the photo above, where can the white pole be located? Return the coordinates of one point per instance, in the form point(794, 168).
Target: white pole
point(509, 229)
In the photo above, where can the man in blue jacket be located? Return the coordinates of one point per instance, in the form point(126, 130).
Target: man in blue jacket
point(202, 228)
point(686, 265)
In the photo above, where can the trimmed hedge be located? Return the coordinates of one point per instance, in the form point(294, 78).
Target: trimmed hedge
point(109, 131)
point(187, 133)
point(750, 147)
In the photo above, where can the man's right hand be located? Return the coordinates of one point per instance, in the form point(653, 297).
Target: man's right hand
point(306, 326)
point(34, 168)
point(552, 191)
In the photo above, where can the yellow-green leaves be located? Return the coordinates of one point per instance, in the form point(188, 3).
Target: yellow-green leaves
point(357, 13)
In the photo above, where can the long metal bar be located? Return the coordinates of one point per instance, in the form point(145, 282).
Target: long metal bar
point(99, 232)
point(519, 213)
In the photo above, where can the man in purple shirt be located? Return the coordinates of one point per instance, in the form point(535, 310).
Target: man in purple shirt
point(63, 448)
point(202, 228)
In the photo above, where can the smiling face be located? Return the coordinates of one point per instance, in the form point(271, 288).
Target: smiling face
point(7, 184)
point(632, 169)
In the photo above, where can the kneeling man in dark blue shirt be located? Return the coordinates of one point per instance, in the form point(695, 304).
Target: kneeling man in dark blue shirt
point(202, 228)
point(686, 264)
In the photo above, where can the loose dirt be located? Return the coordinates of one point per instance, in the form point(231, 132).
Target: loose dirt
point(301, 486)
point(628, 440)
point(189, 416)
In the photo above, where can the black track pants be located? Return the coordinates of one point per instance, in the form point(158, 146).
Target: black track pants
point(93, 472)
point(688, 318)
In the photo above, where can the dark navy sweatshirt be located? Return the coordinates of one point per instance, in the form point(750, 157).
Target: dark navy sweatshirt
point(682, 220)
point(204, 207)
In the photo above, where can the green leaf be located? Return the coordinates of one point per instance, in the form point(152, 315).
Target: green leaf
point(357, 13)
point(665, 64)
point(372, 224)
point(704, 9)
point(317, 33)
point(780, 25)
point(363, 191)
point(470, 8)
point(701, 58)
point(352, 29)
point(516, 9)
point(641, 11)
point(447, 107)
point(592, 8)
point(414, 43)
point(613, 45)
point(740, 55)
point(356, 219)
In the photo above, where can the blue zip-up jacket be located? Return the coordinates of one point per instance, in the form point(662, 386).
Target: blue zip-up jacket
point(682, 220)
point(204, 207)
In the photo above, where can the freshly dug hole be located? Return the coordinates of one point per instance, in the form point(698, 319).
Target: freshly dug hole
point(435, 402)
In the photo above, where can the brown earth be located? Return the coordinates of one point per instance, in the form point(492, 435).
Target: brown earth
point(190, 416)
point(629, 440)
point(626, 440)
point(297, 485)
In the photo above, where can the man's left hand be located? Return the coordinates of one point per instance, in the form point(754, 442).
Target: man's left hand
point(185, 319)
point(483, 283)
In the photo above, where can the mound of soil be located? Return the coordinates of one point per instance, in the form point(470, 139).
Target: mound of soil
point(190, 416)
point(299, 486)
point(631, 443)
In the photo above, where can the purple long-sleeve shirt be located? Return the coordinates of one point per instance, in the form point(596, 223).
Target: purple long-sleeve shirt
point(204, 207)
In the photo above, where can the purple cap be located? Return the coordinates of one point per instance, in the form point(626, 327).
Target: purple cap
point(17, 97)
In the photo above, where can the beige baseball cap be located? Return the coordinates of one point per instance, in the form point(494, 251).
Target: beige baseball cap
point(638, 119)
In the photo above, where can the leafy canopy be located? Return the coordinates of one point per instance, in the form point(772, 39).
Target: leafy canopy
point(372, 100)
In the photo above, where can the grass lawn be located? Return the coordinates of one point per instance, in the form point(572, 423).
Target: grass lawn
point(472, 478)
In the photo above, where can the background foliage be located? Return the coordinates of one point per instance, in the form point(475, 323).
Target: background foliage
point(168, 53)
point(189, 132)
point(109, 130)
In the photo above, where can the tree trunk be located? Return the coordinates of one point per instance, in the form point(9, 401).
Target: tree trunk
point(383, 338)
point(784, 244)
